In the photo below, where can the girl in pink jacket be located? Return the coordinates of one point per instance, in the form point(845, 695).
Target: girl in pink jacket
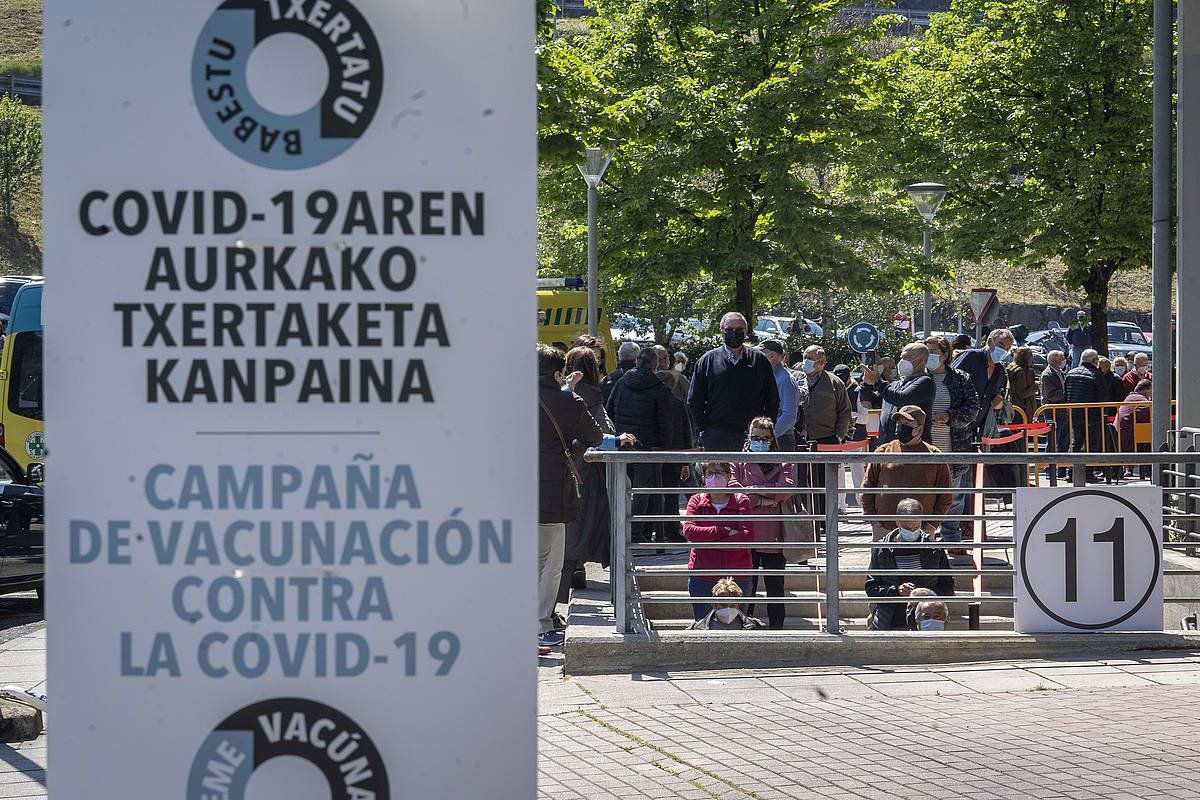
point(719, 500)
point(754, 477)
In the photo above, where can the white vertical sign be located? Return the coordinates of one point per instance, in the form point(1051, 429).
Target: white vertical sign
point(1088, 559)
point(290, 398)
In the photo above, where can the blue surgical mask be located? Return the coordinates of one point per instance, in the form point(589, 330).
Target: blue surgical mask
point(999, 354)
point(809, 365)
point(910, 536)
point(932, 625)
point(935, 361)
point(760, 447)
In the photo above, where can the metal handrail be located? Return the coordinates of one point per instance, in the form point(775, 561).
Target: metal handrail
point(628, 602)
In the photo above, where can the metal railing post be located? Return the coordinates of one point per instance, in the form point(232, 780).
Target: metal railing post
point(619, 501)
point(833, 580)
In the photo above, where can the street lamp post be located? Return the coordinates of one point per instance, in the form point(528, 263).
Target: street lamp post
point(592, 170)
point(928, 197)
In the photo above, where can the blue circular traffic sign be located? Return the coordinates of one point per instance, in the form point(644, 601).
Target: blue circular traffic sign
point(863, 337)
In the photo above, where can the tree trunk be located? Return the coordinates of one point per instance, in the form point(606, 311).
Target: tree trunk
point(744, 295)
point(1097, 287)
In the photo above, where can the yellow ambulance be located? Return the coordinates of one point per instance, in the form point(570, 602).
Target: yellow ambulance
point(562, 317)
point(22, 430)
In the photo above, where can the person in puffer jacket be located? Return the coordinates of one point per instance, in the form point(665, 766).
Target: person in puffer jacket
point(640, 404)
point(719, 500)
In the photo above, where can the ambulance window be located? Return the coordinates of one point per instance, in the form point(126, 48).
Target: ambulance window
point(25, 384)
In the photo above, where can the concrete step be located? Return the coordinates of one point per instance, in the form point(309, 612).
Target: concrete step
point(812, 581)
point(957, 623)
point(853, 604)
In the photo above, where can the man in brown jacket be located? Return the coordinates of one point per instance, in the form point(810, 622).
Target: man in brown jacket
point(910, 422)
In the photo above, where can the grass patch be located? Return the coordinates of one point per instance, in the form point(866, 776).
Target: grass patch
point(21, 37)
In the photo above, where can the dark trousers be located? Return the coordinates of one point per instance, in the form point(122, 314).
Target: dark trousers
point(776, 612)
point(1062, 430)
point(669, 479)
point(645, 475)
point(720, 440)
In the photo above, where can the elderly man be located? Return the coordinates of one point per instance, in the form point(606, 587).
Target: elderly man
point(627, 356)
point(791, 394)
point(914, 565)
point(1054, 390)
point(934, 478)
point(983, 367)
point(912, 388)
point(1139, 370)
point(732, 385)
point(931, 615)
point(1085, 384)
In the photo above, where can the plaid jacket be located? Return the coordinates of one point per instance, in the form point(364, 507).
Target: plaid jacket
point(964, 409)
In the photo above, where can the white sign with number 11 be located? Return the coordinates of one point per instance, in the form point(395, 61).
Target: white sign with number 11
point(1088, 559)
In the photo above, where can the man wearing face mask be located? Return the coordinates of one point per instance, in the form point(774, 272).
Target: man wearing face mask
point(1139, 371)
point(985, 367)
point(791, 394)
point(914, 564)
point(935, 478)
point(731, 386)
point(912, 388)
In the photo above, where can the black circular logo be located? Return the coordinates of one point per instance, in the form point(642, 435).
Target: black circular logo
point(1128, 539)
point(298, 141)
point(288, 726)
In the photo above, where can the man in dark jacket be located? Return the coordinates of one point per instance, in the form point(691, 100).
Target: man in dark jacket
point(912, 388)
point(673, 475)
point(732, 385)
point(1054, 391)
point(627, 356)
point(915, 561)
point(1085, 384)
point(986, 373)
point(641, 405)
point(1079, 337)
point(564, 428)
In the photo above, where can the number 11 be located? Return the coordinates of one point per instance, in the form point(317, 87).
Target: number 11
point(1070, 538)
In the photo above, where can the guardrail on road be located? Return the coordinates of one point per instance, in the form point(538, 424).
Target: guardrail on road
point(27, 90)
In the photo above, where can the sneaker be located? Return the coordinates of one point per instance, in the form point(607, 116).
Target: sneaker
point(560, 624)
point(551, 639)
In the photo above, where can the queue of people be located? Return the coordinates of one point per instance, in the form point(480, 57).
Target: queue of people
point(936, 397)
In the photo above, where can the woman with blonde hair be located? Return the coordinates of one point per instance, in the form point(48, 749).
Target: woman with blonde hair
point(753, 477)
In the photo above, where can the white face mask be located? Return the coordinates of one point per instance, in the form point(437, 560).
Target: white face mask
point(1142, 370)
point(932, 625)
point(726, 615)
point(904, 368)
point(679, 367)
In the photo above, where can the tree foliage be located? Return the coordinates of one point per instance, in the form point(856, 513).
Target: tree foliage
point(728, 122)
point(1038, 114)
point(20, 150)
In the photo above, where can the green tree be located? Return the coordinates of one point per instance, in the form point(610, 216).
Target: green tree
point(1037, 113)
point(20, 150)
point(727, 121)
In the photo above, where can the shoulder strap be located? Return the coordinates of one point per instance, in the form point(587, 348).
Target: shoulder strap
point(562, 440)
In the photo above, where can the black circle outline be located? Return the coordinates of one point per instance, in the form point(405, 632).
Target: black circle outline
point(238, 721)
point(1149, 529)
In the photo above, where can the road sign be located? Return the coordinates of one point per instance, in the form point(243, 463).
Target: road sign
point(267, 255)
point(985, 307)
point(1088, 559)
point(863, 337)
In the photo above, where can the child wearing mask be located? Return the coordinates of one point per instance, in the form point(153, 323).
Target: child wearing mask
point(726, 616)
point(718, 500)
point(754, 477)
point(911, 560)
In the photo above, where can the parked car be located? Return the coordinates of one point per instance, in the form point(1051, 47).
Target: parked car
point(1127, 337)
point(783, 327)
point(22, 526)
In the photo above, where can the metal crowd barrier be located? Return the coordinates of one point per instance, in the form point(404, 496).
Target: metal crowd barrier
point(1180, 474)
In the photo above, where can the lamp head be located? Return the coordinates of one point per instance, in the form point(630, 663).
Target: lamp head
point(927, 197)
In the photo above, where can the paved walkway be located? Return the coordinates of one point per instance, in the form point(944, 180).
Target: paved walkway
point(1120, 728)
point(1127, 728)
